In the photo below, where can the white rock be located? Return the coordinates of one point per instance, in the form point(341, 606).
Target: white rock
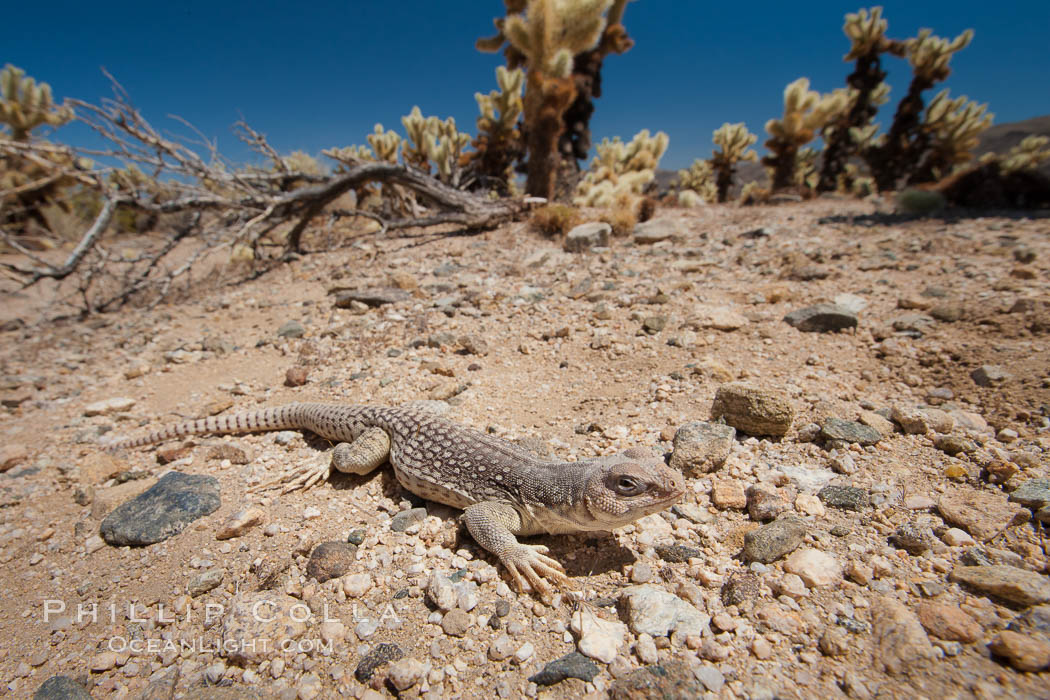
point(524, 653)
point(356, 585)
point(599, 639)
point(114, 405)
point(810, 505)
point(405, 673)
point(645, 649)
point(814, 567)
point(955, 537)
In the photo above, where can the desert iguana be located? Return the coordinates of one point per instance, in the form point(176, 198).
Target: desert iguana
point(503, 489)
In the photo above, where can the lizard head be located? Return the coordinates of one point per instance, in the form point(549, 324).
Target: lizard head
point(630, 485)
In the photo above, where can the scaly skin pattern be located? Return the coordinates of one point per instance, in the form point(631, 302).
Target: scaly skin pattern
point(504, 490)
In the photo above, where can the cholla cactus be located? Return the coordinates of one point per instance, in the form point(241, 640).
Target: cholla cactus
point(621, 169)
point(734, 143)
point(352, 154)
point(805, 111)
point(546, 38)
point(414, 146)
point(696, 185)
point(498, 143)
point(384, 143)
point(26, 104)
point(905, 146)
point(866, 30)
point(444, 146)
point(1027, 155)
point(954, 127)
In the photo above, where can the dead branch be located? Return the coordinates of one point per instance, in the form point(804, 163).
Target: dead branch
point(245, 204)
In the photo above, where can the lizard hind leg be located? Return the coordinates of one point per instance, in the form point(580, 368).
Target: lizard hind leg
point(368, 451)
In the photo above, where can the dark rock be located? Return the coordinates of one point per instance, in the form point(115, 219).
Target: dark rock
point(764, 503)
point(371, 297)
point(740, 587)
point(954, 444)
point(330, 560)
point(771, 542)
point(296, 376)
point(572, 665)
point(677, 553)
point(844, 497)
point(667, 681)
point(947, 313)
point(654, 324)
point(382, 654)
point(61, 688)
point(356, 537)
point(407, 518)
point(502, 608)
point(849, 431)
point(162, 510)
point(1035, 618)
point(822, 318)
point(989, 375)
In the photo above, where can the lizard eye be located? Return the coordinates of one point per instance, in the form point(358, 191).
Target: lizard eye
point(629, 486)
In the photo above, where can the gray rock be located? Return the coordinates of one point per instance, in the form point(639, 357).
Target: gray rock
point(913, 322)
point(822, 318)
point(701, 447)
point(753, 410)
point(572, 665)
point(710, 676)
point(954, 444)
point(382, 654)
point(654, 324)
point(764, 503)
point(162, 510)
point(407, 518)
point(1005, 582)
point(740, 587)
point(1036, 618)
point(771, 542)
point(204, 582)
point(370, 297)
point(587, 236)
point(291, 329)
point(673, 679)
point(913, 539)
point(844, 497)
point(653, 231)
point(61, 688)
point(1033, 494)
point(330, 560)
point(849, 431)
point(989, 375)
point(656, 612)
point(677, 553)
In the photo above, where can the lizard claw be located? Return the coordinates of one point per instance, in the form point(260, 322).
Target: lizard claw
point(301, 477)
point(532, 562)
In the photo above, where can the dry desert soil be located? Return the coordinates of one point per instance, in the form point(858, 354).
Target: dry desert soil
point(914, 567)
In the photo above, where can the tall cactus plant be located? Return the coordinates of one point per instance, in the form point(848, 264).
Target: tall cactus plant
point(805, 111)
point(544, 36)
point(26, 104)
point(498, 143)
point(734, 143)
point(866, 30)
point(901, 151)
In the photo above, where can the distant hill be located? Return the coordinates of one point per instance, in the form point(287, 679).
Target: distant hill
point(999, 138)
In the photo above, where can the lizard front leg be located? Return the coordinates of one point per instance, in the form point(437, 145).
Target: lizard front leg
point(493, 526)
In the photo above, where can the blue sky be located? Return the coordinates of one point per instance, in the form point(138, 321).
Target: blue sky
point(317, 74)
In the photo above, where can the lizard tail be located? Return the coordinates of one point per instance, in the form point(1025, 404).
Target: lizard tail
point(276, 418)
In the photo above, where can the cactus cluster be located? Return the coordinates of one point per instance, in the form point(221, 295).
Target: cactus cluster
point(26, 104)
point(805, 112)
point(733, 144)
point(1027, 155)
point(696, 185)
point(498, 143)
point(621, 170)
point(545, 36)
